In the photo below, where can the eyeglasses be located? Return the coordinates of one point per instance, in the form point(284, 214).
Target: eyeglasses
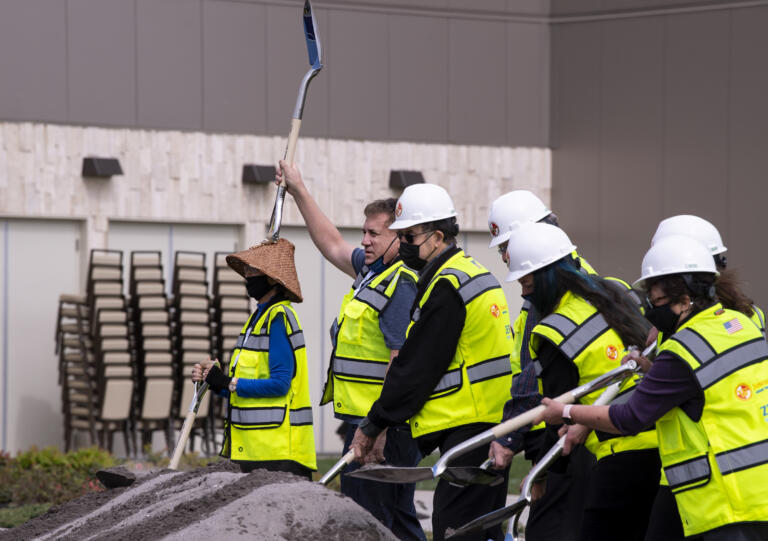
point(657, 301)
point(410, 237)
point(502, 248)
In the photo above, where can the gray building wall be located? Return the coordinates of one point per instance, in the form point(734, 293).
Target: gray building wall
point(235, 65)
point(656, 114)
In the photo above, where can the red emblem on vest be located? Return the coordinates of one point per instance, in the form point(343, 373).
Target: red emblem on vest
point(612, 353)
point(743, 392)
point(495, 312)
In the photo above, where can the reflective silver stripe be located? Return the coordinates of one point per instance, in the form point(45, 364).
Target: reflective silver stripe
point(292, 321)
point(537, 367)
point(562, 324)
point(745, 457)
point(360, 369)
point(373, 297)
point(732, 361)
point(760, 317)
point(258, 416)
point(301, 417)
point(240, 340)
point(258, 342)
point(461, 276)
point(334, 330)
point(296, 340)
point(476, 286)
point(449, 380)
point(586, 334)
point(694, 343)
point(489, 369)
point(635, 297)
point(623, 398)
point(687, 472)
point(416, 315)
point(360, 277)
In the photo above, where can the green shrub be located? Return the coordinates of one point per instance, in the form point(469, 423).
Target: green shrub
point(47, 475)
point(10, 517)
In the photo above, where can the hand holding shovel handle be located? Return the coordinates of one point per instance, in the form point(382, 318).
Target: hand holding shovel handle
point(315, 62)
point(197, 399)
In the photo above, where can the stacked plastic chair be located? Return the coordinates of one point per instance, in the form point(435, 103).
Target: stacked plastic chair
point(74, 348)
point(192, 336)
point(106, 407)
point(154, 352)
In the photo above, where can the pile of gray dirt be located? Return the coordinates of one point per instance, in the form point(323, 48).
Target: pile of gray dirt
point(215, 502)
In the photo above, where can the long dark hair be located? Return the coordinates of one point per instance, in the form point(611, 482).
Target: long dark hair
point(611, 299)
point(729, 292)
point(699, 286)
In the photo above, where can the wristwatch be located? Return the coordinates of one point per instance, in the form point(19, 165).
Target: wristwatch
point(567, 419)
point(233, 385)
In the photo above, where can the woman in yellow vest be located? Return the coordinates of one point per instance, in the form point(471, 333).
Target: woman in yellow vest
point(707, 393)
point(585, 324)
point(269, 415)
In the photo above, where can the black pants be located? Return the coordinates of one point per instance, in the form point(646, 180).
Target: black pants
point(558, 514)
point(454, 506)
point(289, 466)
point(392, 504)
point(621, 494)
point(666, 524)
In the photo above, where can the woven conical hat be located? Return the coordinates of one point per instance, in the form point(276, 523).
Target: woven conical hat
point(275, 259)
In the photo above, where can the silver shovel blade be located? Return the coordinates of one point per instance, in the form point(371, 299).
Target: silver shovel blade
point(471, 475)
point(392, 474)
point(314, 49)
point(489, 520)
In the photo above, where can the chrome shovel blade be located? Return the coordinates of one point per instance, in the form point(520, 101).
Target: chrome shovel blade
point(489, 520)
point(392, 474)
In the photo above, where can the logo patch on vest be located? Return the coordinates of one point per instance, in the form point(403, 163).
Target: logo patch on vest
point(732, 326)
point(612, 353)
point(399, 209)
point(494, 229)
point(495, 310)
point(743, 392)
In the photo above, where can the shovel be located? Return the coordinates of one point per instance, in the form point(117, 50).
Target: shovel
point(336, 469)
point(197, 399)
point(456, 475)
point(315, 65)
point(401, 474)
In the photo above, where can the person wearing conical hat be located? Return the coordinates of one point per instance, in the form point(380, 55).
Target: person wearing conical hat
point(269, 413)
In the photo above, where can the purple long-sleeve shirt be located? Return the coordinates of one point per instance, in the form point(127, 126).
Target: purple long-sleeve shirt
point(669, 383)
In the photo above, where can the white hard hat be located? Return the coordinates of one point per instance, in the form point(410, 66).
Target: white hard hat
point(422, 203)
point(675, 254)
point(533, 246)
point(691, 226)
point(512, 209)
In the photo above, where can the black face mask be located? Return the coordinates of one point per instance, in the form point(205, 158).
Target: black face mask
point(410, 254)
point(257, 286)
point(663, 318)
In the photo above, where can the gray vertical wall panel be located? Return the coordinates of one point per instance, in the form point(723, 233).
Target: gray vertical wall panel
point(287, 62)
point(33, 60)
point(234, 67)
point(169, 63)
point(101, 50)
point(576, 53)
point(696, 116)
point(748, 148)
point(359, 80)
point(418, 68)
point(527, 69)
point(632, 121)
point(477, 82)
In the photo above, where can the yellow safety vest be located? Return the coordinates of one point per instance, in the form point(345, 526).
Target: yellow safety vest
point(758, 318)
point(582, 334)
point(360, 356)
point(717, 468)
point(474, 387)
point(270, 428)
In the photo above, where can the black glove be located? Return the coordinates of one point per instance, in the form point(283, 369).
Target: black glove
point(217, 380)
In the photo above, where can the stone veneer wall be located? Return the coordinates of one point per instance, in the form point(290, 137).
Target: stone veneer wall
point(172, 176)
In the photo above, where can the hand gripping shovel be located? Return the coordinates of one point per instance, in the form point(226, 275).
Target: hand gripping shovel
point(197, 399)
point(316, 64)
point(399, 474)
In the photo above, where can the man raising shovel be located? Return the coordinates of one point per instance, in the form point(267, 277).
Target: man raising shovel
point(367, 334)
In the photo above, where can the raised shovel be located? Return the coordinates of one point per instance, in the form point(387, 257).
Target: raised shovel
point(189, 420)
point(315, 65)
point(402, 474)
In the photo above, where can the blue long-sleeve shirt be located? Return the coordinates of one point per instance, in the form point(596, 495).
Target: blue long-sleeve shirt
point(281, 362)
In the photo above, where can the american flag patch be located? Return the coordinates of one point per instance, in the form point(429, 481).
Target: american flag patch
point(732, 326)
